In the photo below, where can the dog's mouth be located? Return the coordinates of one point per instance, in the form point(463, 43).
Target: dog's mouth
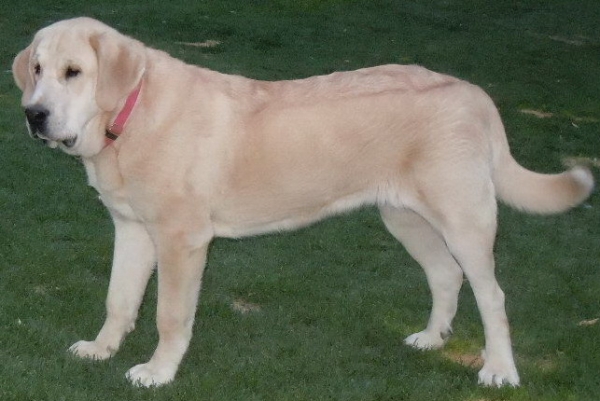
point(67, 143)
point(70, 142)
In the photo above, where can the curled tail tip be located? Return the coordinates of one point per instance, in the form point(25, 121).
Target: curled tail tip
point(583, 176)
point(546, 193)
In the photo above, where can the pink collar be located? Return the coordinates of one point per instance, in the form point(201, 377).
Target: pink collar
point(116, 128)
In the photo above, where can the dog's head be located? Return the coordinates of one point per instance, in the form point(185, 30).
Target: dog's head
point(75, 76)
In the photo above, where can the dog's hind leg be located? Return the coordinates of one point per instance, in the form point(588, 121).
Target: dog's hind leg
point(444, 276)
point(467, 221)
point(472, 246)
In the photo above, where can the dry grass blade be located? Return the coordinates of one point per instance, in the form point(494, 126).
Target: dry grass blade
point(206, 44)
point(573, 42)
point(572, 161)
point(537, 113)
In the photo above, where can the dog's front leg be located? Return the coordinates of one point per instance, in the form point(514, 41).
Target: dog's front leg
point(180, 269)
point(133, 262)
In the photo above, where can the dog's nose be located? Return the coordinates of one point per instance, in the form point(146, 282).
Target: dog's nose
point(36, 117)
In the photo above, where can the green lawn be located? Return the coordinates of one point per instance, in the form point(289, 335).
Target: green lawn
point(318, 314)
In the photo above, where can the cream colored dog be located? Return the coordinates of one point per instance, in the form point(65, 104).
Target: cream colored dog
point(181, 154)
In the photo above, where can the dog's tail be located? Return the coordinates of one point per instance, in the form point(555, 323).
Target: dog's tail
point(534, 192)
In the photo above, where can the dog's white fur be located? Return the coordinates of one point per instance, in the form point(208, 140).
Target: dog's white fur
point(206, 154)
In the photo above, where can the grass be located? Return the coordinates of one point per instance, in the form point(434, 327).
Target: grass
point(318, 314)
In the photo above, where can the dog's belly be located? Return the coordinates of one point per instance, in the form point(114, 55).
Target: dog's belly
point(271, 216)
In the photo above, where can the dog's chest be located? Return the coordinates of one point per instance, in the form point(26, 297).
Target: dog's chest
point(104, 177)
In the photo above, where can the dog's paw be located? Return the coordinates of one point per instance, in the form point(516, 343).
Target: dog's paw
point(151, 375)
point(498, 374)
point(425, 340)
point(90, 350)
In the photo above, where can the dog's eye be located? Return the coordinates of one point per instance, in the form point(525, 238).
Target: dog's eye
point(37, 69)
point(72, 72)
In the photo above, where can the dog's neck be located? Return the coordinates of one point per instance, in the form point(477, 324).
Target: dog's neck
point(116, 128)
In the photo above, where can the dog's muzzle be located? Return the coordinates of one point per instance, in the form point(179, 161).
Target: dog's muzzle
point(37, 124)
point(37, 117)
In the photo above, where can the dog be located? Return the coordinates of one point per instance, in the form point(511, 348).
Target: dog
point(181, 154)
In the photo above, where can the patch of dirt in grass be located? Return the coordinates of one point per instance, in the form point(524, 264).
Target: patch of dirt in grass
point(244, 307)
point(44, 290)
point(40, 290)
point(475, 360)
point(546, 364)
point(468, 359)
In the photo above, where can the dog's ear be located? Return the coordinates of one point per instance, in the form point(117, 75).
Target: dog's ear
point(121, 64)
point(20, 69)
